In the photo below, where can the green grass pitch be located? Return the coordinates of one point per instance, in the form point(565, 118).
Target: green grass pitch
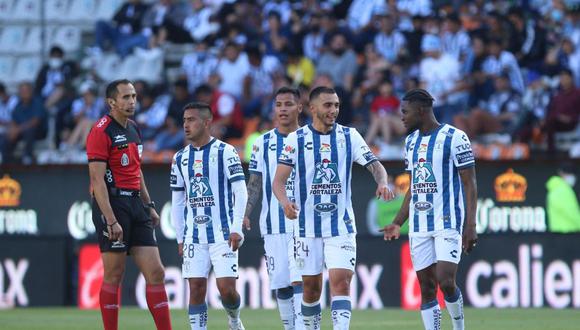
point(133, 318)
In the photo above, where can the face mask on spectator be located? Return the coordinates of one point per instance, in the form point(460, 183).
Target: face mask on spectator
point(55, 62)
point(570, 179)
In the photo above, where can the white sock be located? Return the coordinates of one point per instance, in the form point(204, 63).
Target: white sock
point(298, 321)
point(233, 311)
point(311, 315)
point(341, 312)
point(455, 307)
point(431, 315)
point(198, 317)
point(286, 307)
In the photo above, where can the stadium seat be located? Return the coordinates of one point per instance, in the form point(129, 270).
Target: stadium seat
point(6, 68)
point(68, 37)
point(83, 11)
point(33, 42)
point(12, 39)
point(6, 9)
point(27, 10)
point(107, 9)
point(56, 10)
point(27, 68)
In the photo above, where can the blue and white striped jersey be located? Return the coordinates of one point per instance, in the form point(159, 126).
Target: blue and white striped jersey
point(206, 175)
point(436, 189)
point(323, 166)
point(265, 153)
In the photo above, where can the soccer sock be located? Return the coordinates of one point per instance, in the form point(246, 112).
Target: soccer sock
point(431, 315)
point(109, 302)
point(158, 305)
point(198, 317)
point(454, 305)
point(341, 312)
point(298, 321)
point(233, 310)
point(311, 315)
point(285, 306)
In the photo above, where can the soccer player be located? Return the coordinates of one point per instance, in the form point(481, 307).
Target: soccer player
point(442, 167)
point(277, 231)
point(208, 202)
point(123, 213)
point(325, 232)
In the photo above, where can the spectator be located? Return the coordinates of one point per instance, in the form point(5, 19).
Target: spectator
point(499, 114)
point(564, 109)
point(258, 84)
point(54, 78)
point(7, 104)
point(199, 22)
point(569, 57)
point(528, 42)
point(313, 42)
point(124, 31)
point(232, 70)
point(152, 113)
point(385, 116)
point(390, 43)
point(27, 125)
point(414, 38)
point(439, 73)
point(85, 110)
point(300, 68)
point(501, 61)
point(535, 102)
point(360, 13)
point(171, 135)
point(276, 37)
point(197, 66)
point(562, 202)
point(228, 120)
point(455, 41)
point(414, 7)
point(340, 62)
point(164, 20)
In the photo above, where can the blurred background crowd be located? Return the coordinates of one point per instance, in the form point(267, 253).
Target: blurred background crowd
point(506, 72)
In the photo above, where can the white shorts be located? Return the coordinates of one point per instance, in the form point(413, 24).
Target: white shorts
point(199, 258)
point(441, 245)
point(280, 263)
point(313, 253)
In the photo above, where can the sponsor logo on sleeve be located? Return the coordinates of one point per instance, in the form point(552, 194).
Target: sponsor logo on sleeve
point(369, 156)
point(253, 164)
point(465, 157)
point(236, 169)
point(173, 179)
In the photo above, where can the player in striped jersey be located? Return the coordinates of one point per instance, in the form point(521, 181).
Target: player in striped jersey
point(208, 201)
point(277, 231)
point(440, 162)
point(321, 155)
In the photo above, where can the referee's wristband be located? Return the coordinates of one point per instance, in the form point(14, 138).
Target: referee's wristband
point(112, 224)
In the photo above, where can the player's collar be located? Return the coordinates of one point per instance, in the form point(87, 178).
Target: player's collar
point(207, 145)
point(435, 130)
point(277, 132)
point(320, 133)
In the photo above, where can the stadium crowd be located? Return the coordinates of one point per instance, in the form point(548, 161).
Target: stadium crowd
point(503, 71)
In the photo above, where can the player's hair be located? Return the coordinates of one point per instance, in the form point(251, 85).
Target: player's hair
point(419, 96)
point(288, 90)
point(111, 91)
point(203, 108)
point(315, 93)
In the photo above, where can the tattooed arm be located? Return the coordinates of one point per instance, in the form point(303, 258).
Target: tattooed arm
point(380, 176)
point(254, 194)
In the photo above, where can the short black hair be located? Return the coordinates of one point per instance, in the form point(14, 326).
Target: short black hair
point(567, 72)
point(320, 90)
point(56, 50)
point(203, 89)
point(419, 96)
point(288, 90)
point(202, 107)
point(111, 91)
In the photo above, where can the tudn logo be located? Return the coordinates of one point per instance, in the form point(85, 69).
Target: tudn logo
point(201, 219)
point(325, 207)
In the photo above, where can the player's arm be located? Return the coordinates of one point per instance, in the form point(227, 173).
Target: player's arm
point(380, 175)
point(97, 171)
point(470, 187)
point(279, 188)
point(147, 201)
point(254, 194)
point(240, 199)
point(393, 230)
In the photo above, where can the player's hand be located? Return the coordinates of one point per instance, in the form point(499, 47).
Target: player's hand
point(154, 217)
point(235, 241)
point(469, 239)
point(291, 210)
point(384, 192)
point(180, 249)
point(247, 224)
point(390, 232)
point(115, 232)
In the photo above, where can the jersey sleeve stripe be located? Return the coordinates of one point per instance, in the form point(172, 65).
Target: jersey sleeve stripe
point(237, 178)
point(97, 160)
point(372, 161)
point(283, 162)
point(177, 189)
point(255, 172)
point(468, 165)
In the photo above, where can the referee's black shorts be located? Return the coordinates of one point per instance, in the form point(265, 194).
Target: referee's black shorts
point(133, 216)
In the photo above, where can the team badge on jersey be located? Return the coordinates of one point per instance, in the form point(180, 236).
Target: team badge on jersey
point(325, 147)
point(423, 178)
point(200, 193)
point(124, 160)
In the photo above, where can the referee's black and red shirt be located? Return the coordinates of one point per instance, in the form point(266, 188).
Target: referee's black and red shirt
point(120, 148)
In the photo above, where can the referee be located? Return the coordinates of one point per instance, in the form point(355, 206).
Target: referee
point(123, 213)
